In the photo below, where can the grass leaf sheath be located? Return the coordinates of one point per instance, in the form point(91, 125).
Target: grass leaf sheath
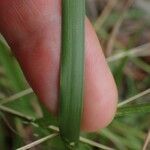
point(72, 69)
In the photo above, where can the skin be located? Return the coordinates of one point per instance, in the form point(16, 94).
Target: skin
point(32, 28)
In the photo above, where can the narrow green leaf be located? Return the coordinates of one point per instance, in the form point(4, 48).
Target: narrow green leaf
point(16, 113)
point(16, 78)
point(141, 64)
point(72, 69)
point(12, 69)
point(140, 108)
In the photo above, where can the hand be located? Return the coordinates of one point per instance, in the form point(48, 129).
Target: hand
point(32, 29)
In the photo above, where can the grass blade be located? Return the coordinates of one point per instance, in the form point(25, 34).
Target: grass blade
point(16, 113)
point(11, 68)
point(134, 98)
point(141, 51)
point(16, 78)
point(31, 145)
point(72, 69)
point(85, 140)
point(147, 141)
point(140, 108)
point(16, 96)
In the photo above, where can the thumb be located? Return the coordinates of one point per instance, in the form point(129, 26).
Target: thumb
point(32, 29)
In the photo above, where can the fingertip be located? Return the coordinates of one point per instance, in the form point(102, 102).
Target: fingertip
point(100, 110)
point(100, 93)
point(39, 53)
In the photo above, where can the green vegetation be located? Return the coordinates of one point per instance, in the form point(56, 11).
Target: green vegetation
point(24, 124)
point(72, 69)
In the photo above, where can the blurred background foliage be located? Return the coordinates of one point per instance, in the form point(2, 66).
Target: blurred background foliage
point(123, 29)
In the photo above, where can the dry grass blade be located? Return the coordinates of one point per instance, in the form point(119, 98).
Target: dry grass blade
point(117, 27)
point(85, 140)
point(16, 96)
point(31, 145)
point(95, 144)
point(9, 125)
point(147, 142)
point(107, 10)
point(140, 51)
point(134, 98)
